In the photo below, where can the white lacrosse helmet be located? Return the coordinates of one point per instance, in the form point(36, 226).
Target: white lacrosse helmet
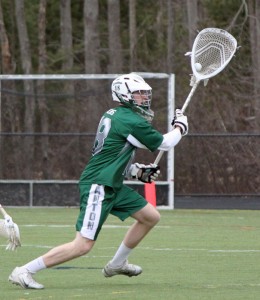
point(123, 88)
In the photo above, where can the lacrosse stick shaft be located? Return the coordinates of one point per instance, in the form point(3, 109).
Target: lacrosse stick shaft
point(186, 103)
point(192, 91)
point(2, 210)
point(158, 158)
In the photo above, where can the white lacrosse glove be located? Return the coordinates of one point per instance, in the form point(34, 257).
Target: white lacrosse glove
point(12, 233)
point(9, 221)
point(145, 173)
point(181, 121)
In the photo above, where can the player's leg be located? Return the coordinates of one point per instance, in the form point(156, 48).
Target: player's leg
point(146, 219)
point(131, 204)
point(60, 254)
point(23, 275)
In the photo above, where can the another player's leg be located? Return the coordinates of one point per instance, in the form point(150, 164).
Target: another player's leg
point(23, 275)
point(146, 219)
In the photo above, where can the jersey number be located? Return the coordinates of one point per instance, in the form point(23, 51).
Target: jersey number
point(102, 132)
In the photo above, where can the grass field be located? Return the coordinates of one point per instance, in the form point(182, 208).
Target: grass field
point(191, 254)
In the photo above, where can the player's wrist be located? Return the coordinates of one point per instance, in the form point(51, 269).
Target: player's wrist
point(136, 170)
point(178, 127)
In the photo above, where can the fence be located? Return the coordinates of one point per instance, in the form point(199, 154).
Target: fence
point(234, 184)
point(52, 193)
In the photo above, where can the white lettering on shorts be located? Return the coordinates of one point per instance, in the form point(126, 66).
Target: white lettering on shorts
point(93, 211)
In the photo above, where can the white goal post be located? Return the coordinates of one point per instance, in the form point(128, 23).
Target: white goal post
point(169, 182)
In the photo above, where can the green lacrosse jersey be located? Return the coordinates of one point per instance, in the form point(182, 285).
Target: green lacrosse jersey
point(112, 153)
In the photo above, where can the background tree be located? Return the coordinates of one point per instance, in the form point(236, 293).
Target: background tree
point(192, 12)
point(132, 34)
point(92, 57)
point(29, 110)
point(7, 67)
point(254, 25)
point(114, 38)
point(42, 101)
point(170, 36)
point(70, 122)
point(91, 37)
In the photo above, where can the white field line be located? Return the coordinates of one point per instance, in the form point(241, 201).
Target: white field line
point(140, 248)
point(70, 226)
point(151, 249)
point(73, 226)
point(202, 250)
point(156, 249)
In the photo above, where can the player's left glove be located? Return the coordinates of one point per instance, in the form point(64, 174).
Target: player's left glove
point(145, 173)
point(180, 121)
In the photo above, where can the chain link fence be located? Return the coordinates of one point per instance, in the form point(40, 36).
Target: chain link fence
point(220, 171)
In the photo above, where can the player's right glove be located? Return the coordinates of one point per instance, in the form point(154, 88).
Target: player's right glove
point(180, 121)
point(145, 173)
point(10, 230)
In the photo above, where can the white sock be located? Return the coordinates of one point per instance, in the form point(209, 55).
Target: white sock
point(120, 256)
point(35, 265)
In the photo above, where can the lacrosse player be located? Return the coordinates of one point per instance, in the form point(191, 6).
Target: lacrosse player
point(121, 131)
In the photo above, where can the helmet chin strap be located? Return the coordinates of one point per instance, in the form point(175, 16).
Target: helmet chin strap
point(147, 114)
point(119, 98)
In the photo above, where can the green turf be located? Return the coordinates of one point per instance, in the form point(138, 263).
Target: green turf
point(191, 254)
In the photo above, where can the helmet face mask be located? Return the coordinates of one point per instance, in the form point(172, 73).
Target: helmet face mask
point(142, 98)
point(132, 91)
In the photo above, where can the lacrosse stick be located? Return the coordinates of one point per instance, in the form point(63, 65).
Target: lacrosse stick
point(9, 230)
point(211, 52)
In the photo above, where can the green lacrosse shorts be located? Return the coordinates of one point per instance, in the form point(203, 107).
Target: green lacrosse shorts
point(98, 201)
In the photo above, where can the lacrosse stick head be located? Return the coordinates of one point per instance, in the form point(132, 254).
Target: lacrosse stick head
point(212, 50)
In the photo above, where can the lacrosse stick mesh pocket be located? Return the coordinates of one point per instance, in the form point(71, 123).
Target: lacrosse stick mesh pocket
point(214, 49)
